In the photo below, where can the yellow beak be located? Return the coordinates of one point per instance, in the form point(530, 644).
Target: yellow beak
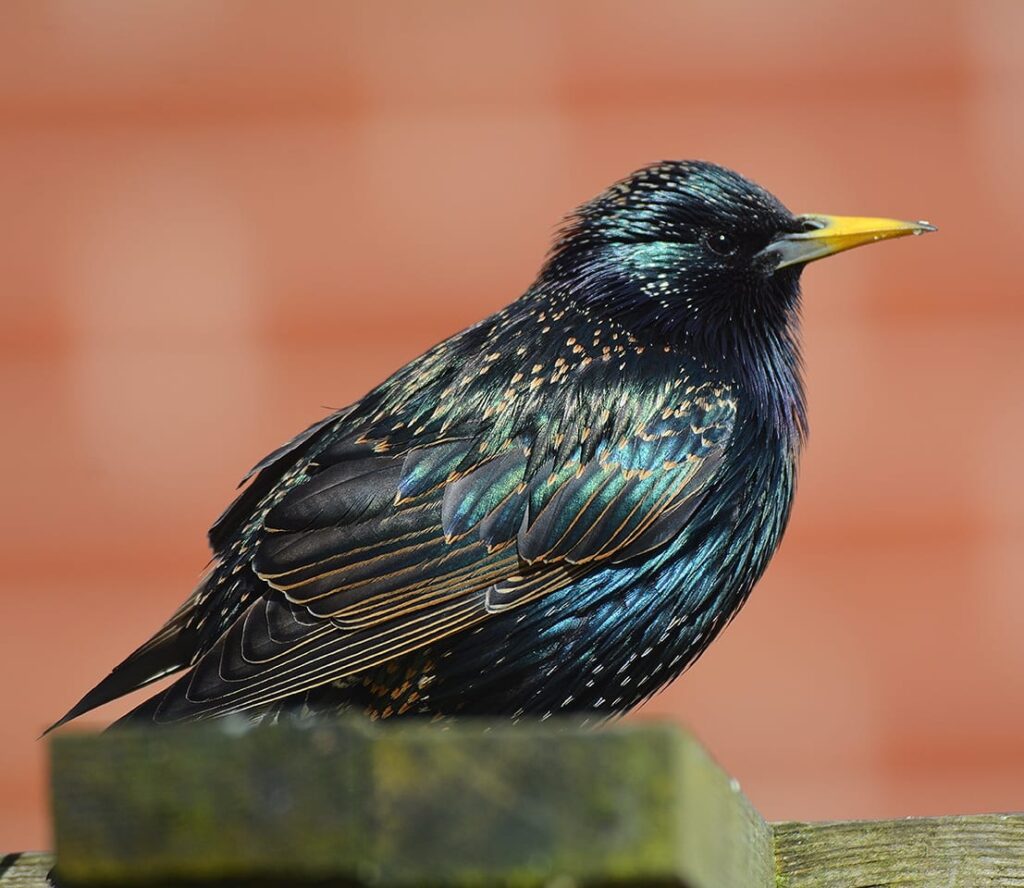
point(825, 235)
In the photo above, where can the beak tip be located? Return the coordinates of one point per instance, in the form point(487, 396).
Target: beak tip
point(925, 226)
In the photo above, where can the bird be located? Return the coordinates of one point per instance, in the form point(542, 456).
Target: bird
point(552, 512)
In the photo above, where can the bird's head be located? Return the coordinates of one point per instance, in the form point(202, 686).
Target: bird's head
point(688, 247)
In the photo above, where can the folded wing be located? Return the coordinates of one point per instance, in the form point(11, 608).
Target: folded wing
point(378, 553)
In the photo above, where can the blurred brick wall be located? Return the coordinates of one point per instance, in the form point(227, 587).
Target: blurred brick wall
point(219, 217)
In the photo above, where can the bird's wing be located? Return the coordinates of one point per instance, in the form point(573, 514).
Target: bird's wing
point(265, 475)
point(378, 554)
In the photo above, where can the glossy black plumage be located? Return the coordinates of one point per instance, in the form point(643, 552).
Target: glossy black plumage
point(555, 510)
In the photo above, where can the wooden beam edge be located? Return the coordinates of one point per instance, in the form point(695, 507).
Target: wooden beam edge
point(960, 851)
point(26, 869)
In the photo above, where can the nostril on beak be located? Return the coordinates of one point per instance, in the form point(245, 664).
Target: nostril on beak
point(811, 224)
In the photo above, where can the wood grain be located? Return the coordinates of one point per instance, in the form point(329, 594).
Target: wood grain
point(978, 851)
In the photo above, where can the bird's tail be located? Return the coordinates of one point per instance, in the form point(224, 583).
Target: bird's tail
point(173, 648)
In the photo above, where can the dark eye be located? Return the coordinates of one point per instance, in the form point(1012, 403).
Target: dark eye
point(721, 243)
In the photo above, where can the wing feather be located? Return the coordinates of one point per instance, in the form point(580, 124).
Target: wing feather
point(380, 553)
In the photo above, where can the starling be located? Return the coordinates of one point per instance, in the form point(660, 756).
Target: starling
point(554, 511)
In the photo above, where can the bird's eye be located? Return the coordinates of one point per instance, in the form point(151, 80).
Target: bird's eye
point(721, 243)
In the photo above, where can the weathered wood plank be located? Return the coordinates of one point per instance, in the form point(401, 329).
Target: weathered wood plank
point(978, 851)
point(404, 805)
point(28, 869)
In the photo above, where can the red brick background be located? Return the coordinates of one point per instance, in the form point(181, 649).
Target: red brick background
point(218, 217)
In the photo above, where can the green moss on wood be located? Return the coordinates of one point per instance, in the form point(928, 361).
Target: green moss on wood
point(404, 805)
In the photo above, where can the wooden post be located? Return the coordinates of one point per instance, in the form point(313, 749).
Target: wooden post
point(460, 805)
point(399, 804)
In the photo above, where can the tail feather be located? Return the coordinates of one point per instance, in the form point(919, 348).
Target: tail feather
point(165, 653)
